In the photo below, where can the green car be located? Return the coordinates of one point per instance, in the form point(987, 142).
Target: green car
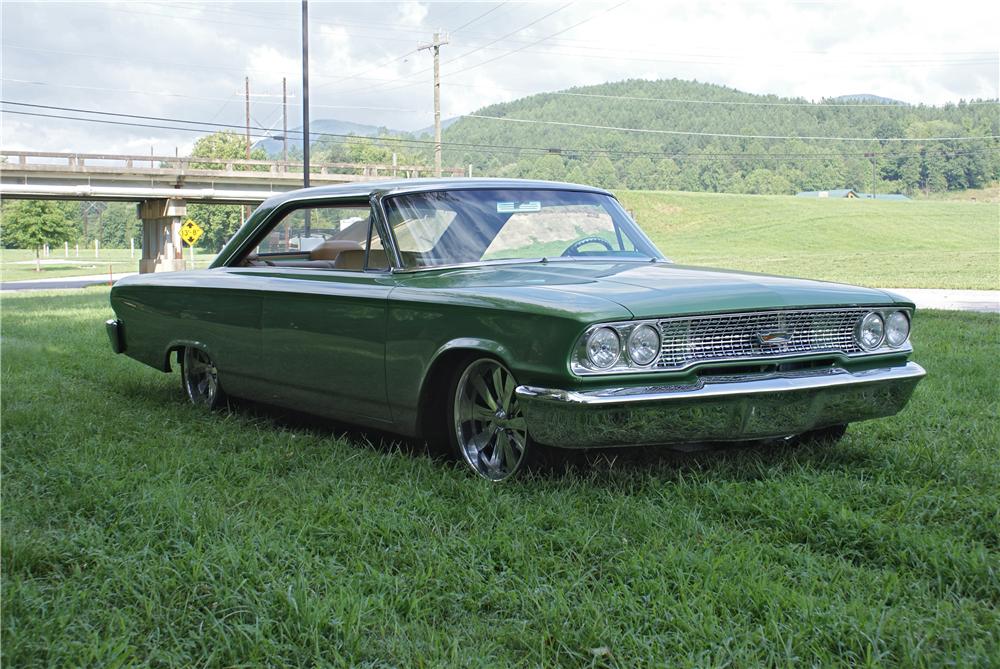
point(502, 314)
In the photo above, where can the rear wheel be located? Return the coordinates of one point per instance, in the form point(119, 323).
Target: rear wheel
point(488, 428)
point(200, 378)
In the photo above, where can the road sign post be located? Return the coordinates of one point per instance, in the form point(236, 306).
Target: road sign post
point(191, 232)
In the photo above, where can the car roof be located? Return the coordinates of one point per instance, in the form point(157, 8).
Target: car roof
point(398, 186)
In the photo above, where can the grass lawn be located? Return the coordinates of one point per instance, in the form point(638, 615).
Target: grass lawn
point(19, 264)
point(919, 244)
point(139, 531)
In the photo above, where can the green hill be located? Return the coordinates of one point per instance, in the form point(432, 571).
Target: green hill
point(922, 244)
point(615, 159)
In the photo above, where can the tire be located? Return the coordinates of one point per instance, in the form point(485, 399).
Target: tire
point(486, 427)
point(200, 379)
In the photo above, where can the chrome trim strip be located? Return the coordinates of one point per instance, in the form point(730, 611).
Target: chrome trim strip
point(723, 386)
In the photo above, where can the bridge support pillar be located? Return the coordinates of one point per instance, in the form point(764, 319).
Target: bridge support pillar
point(162, 248)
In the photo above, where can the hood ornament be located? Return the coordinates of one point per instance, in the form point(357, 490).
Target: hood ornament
point(774, 338)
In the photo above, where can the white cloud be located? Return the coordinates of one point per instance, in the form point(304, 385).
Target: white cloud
point(914, 51)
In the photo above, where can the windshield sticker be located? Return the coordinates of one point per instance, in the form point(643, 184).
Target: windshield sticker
point(518, 207)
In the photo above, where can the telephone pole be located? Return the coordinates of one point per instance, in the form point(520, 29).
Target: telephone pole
point(305, 95)
point(436, 45)
point(284, 122)
point(246, 97)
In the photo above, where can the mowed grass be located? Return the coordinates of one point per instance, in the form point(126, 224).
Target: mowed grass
point(141, 531)
point(914, 244)
point(19, 264)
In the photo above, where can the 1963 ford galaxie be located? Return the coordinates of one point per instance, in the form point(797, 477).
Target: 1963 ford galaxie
point(501, 314)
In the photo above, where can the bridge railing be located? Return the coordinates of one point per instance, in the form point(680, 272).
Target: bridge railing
point(78, 162)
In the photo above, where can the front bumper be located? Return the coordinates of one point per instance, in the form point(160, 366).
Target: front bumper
point(717, 408)
point(116, 334)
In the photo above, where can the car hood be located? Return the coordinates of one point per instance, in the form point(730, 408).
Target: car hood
point(650, 290)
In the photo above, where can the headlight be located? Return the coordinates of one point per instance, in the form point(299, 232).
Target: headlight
point(643, 345)
point(871, 331)
point(897, 329)
point(603, 348)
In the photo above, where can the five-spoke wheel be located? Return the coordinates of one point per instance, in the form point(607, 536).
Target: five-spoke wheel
point(200, 378)
point(488, 428)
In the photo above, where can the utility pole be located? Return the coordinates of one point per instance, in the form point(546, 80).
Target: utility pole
point(873, 156)
point(436, 46)
point(284, 122)
point(246, 98)
point(305, 107)
point(246, 81)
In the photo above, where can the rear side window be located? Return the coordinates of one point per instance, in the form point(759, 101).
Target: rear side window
point(333, 237)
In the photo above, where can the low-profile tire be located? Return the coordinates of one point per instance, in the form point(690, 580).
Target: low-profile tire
point(200, 378)
point(827, 436)
point(487, 429)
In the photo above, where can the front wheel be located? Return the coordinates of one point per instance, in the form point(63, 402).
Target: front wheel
point(487, 426)
point(200, 379)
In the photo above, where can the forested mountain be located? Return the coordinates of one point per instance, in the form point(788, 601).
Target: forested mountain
point(709, 162)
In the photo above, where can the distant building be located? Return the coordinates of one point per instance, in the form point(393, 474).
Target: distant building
point(850, 193)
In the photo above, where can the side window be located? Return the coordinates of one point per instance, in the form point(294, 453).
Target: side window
point(337, 236)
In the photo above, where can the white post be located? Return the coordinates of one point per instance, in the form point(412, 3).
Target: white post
point(192, 255)
point(97, 249)
point(45, 250)
point(78, 249)
point(67, 249)
point(131, 247)
point(470, 170)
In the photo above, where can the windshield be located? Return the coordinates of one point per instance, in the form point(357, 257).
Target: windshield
point(452, 227)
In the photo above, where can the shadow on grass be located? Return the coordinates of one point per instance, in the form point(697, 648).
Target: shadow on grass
point(731, 460)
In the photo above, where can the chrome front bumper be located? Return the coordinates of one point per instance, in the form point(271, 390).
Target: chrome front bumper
point(732, 408)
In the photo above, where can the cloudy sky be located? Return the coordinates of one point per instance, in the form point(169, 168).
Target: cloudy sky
point(188, 60)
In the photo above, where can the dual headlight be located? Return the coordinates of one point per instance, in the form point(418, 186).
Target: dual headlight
point(625, 346)
point(876, 329)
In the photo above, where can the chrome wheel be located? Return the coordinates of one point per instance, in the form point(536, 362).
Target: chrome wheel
point(488, 423)
point(201, 378)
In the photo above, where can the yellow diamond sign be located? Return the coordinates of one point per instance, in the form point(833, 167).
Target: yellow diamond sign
point(191, 232)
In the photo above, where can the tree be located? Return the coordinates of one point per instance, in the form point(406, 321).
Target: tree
point(549, 167)
point(118, 224)
point(225, 145)
point(640, 174)
point(602, 173)
point(31, 224)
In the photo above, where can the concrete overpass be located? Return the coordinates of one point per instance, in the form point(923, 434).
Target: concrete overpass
point(163, 185)
point(40, 175)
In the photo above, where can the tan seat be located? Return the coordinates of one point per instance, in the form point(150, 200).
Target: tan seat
point(331, 248)
point(355, 259)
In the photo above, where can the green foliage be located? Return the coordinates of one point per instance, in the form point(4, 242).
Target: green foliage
point(220, 222)
point(119, 223)
point(602, 173)
point(31, 224)
point(724, 164)
point(225, 145)
point(141, 531)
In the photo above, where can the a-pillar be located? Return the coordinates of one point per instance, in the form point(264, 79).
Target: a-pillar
point(162, 249)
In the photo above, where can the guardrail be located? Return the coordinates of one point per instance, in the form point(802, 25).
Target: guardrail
point(77, 162)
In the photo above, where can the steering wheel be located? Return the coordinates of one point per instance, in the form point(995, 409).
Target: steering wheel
point(573, 248)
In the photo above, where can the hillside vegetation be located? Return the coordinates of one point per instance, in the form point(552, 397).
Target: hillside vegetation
point(616, 159)
point(923, 244)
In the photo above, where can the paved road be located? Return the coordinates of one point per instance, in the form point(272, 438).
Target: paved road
point(62, 282)
point(924, 298)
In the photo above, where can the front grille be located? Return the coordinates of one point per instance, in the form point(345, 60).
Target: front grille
point(743, 336)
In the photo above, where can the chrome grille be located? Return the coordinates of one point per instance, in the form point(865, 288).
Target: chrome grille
point(742, 336)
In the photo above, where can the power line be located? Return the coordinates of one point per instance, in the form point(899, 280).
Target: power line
point(489, 148)
point(725, 134)
point(479, 16)
point(209, 99)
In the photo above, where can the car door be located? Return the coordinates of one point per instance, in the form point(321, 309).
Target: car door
point(323, 316)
